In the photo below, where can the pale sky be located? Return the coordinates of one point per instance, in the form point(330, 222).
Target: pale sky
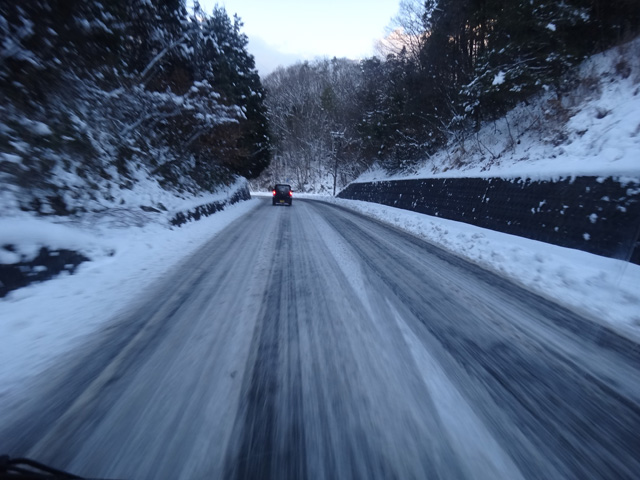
point(286, 31)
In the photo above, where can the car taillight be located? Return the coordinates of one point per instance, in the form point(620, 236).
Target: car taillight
point(274, 192)
point(290, 193)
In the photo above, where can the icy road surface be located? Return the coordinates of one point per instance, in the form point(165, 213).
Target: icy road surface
point(312, 342)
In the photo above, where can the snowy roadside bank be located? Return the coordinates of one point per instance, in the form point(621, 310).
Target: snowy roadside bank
point(603, 289)
point(45, 320)
point(37, 248)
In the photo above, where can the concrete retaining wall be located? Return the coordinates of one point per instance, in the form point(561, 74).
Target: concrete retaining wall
point(595, 214)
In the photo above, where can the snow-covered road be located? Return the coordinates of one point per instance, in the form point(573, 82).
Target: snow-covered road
point(313, 342)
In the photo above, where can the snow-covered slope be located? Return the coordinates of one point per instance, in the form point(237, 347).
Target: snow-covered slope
point(592, 129)
point(23, 234)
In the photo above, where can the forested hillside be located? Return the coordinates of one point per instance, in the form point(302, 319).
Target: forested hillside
point(96, 97)
point(314, 116)
point(446, 68)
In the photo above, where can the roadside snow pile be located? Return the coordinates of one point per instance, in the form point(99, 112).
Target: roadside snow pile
point(27, 233)
point(22, 238)
point(603, 289)
point(34, 248)
point(593, 129)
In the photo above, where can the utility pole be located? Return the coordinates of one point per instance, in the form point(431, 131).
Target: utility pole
point(336, 138)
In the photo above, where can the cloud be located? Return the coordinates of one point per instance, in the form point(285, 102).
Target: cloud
point(268, 57)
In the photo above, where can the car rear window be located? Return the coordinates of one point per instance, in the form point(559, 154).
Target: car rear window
point(283, 188)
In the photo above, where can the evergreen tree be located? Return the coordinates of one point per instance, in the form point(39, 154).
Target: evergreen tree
point(102, 90)
point(528, 44)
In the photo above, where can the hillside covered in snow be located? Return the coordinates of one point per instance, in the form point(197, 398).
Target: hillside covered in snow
point(591, 129)
point(464, 86)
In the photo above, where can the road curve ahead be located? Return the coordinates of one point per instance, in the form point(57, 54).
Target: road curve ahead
point(311, 342)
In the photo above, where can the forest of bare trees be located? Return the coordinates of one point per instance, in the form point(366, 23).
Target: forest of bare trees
point(446, 67)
